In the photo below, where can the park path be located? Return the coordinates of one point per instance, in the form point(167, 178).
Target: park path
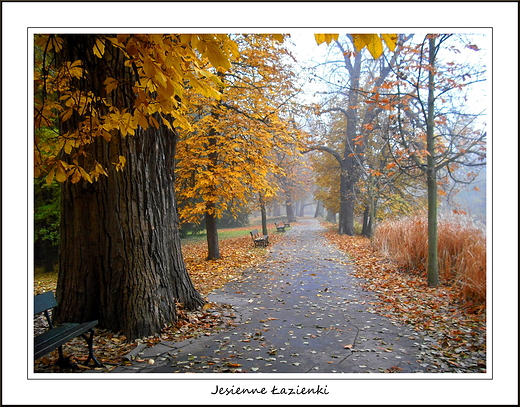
point(301, 311)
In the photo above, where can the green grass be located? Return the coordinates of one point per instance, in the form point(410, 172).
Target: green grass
point(222, 234)
point(225, 233)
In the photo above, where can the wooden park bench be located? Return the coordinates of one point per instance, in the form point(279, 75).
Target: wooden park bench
point(56, 336)
point(287, 224)
point(279, 228)
point(259, 239)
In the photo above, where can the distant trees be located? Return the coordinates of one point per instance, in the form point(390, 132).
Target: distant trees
point(347, 84)
point(46, 223)
point(406, 121)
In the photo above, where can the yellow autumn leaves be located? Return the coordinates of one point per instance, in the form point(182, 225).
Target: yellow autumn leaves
point(157, 76)
point(372, 42)
point(231, 153)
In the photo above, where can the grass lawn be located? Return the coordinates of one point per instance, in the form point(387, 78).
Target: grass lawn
point(227, 233)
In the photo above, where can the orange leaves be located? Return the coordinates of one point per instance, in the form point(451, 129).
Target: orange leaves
point(374, 173)
point(405, 296)
point(217, 48)
point(97, 171)
point(390, 40)
point(231, 151)
point(49, 42)
point(120, 163)
point(358, 141)
point(371, 41)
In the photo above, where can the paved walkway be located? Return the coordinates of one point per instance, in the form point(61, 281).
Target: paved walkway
point(301, 311)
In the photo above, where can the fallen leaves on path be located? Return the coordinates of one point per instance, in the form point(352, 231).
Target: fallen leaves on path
point(237, 254)
point(459, 329)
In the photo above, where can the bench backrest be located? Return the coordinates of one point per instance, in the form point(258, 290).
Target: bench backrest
point(43, 302)
point(254, 232)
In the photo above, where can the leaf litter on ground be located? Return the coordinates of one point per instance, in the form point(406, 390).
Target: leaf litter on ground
point(458, 327)
point(404, 296)
point(111, 349)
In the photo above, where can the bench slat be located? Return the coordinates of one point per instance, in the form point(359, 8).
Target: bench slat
point(43, 302)
point(53, 338)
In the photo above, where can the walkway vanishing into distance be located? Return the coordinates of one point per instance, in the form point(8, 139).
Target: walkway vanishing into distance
point(300, 311)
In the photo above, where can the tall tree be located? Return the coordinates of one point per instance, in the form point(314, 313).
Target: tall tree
point(436, 132)
point(233, 143)
point(119, 101)
point(350, 106)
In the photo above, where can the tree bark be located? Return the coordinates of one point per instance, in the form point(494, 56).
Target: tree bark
point(369, 213)
point(431, 176)
point(264, 216)
point(366, 216)
point(289, 208)
point(120, 252)
point(212, 235)
point(331, 217)
point(346, 207)
point(211, 220)
point(319, 210)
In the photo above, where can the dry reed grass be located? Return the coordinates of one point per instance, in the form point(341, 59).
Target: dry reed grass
point(461, 246)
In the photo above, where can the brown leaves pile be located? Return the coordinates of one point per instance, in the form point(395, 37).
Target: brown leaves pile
point(404, 295)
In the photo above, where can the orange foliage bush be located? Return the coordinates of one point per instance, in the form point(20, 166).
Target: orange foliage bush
point(461, 245)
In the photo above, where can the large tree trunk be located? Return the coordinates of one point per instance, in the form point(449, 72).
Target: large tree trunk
point(120, 253)
point(350, 171)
